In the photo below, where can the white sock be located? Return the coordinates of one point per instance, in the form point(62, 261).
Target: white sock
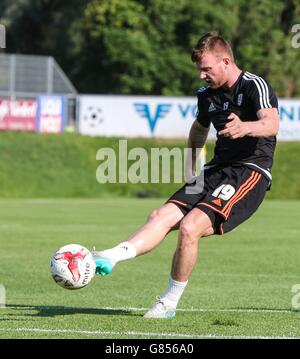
point(121, 252)
point(174, 292)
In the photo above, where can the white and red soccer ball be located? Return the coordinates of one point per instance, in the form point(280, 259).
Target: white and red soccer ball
point(72, 266)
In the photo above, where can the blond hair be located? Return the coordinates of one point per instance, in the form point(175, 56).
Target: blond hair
point(213, 42)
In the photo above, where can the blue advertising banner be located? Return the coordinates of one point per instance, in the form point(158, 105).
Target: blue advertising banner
point(51, 114)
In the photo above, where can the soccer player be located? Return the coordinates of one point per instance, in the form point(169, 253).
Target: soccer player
point(244, 111)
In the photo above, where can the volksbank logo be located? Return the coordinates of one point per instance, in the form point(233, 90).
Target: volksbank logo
point(161, 110)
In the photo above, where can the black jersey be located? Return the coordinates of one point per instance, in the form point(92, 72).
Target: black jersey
point(248, 94)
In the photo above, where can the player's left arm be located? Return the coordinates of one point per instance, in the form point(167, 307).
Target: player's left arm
point(266, 125)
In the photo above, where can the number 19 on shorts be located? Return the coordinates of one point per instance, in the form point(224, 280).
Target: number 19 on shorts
point(225, 192)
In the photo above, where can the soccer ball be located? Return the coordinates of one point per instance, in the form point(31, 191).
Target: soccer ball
point(72, 266)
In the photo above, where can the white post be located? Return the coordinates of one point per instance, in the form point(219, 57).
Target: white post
point(12, 76)
point(50, 64)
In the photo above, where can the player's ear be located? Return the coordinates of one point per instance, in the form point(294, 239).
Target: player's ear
point(226, 61)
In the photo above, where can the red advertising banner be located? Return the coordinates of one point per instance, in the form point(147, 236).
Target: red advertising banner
point(17, 115)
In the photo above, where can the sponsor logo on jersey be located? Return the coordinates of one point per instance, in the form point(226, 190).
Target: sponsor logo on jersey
point(211, 107)
point(225, 105)
point(240, 99)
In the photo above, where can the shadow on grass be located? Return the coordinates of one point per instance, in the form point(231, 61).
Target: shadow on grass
point(52, 311)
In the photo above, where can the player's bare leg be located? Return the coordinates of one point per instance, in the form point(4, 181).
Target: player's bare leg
point(160, 222)
point(194, 226)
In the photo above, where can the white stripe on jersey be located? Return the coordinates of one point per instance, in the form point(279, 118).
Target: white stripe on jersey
point(264, 84)
point(262, 89)
point(259, 88)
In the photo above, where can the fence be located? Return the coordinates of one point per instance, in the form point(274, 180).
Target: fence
point(28, 76)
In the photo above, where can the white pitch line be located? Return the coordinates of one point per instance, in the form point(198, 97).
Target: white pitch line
point(255, 275)
point(133, 309)
point(145, 334)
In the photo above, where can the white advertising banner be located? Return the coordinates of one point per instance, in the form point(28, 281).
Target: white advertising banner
point(161, 117)
point(136, 116)
point(289, 112)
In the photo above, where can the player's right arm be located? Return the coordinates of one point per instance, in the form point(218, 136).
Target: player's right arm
point(196, 140)
point(197, 137)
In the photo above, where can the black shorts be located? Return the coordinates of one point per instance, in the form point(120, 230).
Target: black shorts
point(230, 195)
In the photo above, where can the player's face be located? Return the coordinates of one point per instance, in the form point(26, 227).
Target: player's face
point(212, 70)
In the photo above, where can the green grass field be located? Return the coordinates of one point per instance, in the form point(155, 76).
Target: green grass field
point(240, 288)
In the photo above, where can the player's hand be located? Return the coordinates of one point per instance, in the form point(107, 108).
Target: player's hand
point(235, 128)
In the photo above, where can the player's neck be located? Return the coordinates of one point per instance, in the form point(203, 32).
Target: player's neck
point(234, 75)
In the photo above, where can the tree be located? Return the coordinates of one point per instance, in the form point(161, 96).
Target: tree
point(144, 46)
